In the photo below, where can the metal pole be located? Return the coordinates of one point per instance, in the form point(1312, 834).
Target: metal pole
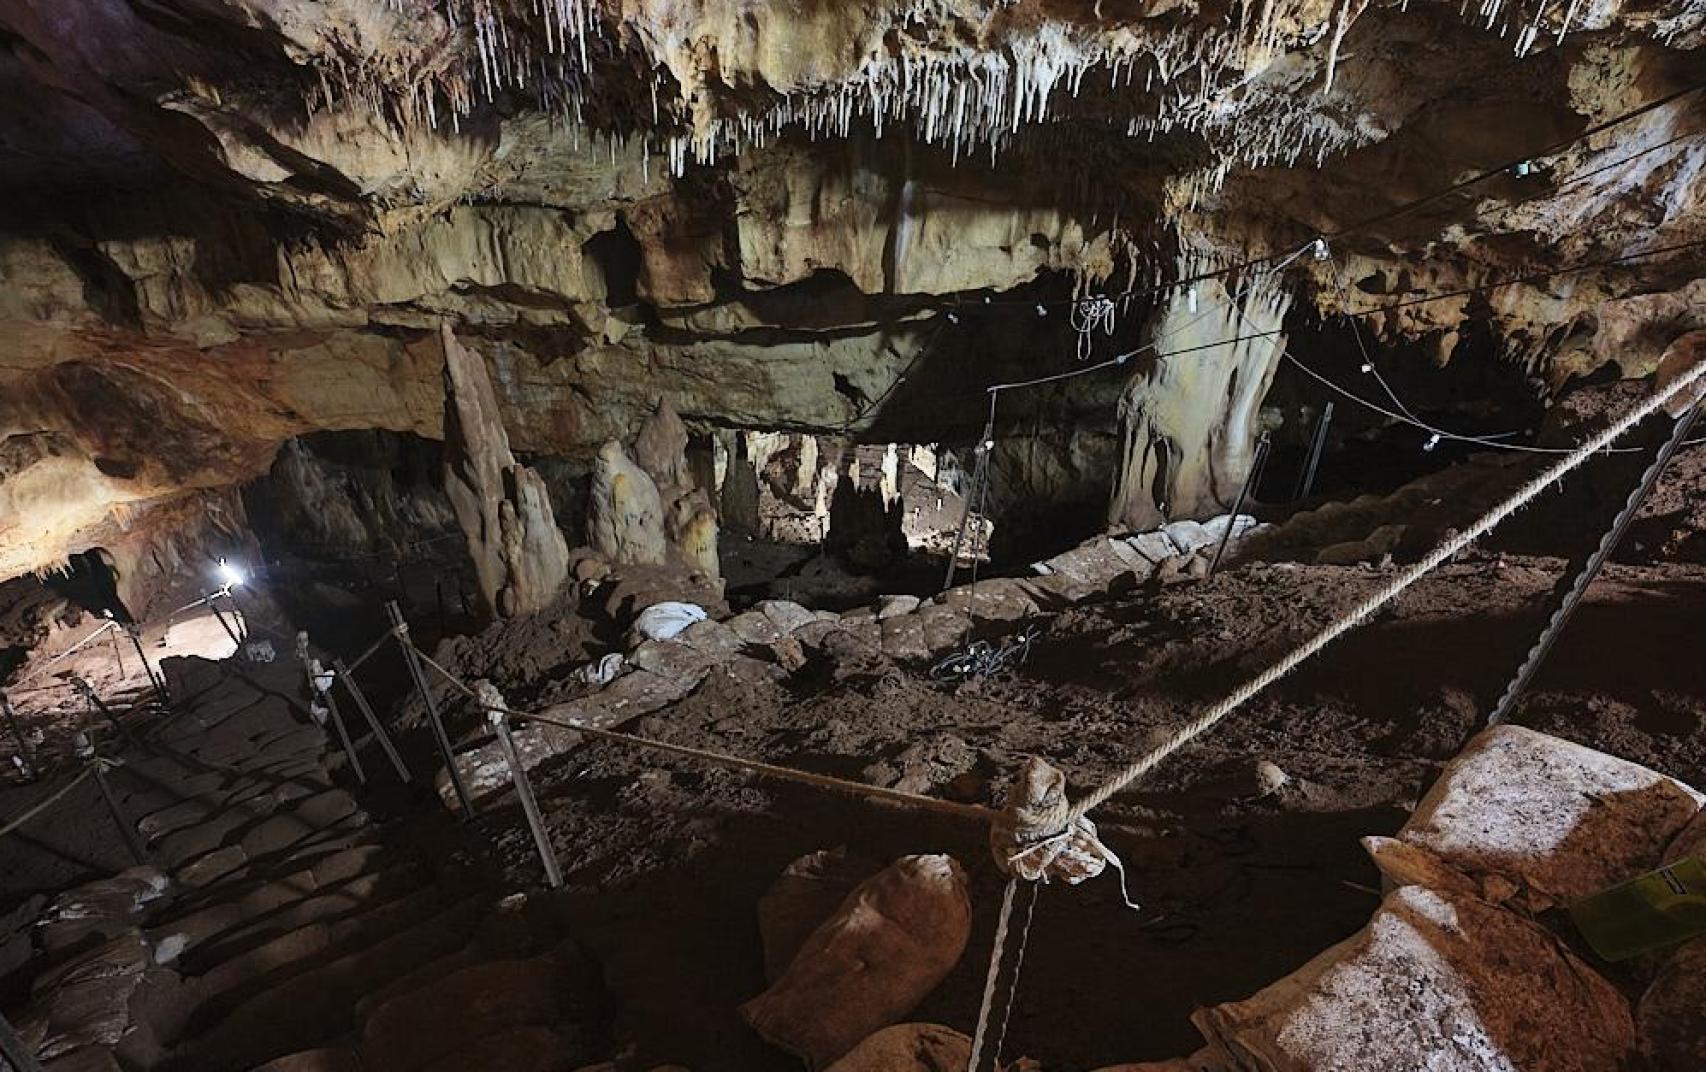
point(124, 828)
point(118, 656)
point(410, 659)
point(1572, 597)
point(230, 632)
point(320, 692)
point(159, 682)
point(529, 805)
point(1250, 479)
point(343, 736)
point(373, 724)
point(1317, 443)
point(13, 1049)
point(95, 705)
point(24, 750)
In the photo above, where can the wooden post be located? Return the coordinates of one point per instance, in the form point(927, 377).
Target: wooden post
point(366, 710)
point(529, 804)
point(13, 1049)
point(127, 831)
point(413, 662)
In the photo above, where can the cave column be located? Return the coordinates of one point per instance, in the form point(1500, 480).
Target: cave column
point(520, 556)
point(1188, 423)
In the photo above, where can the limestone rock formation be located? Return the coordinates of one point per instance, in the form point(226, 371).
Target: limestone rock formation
point(230, 223)
point(624, 510)
point(520, 556)
point(1188, 419)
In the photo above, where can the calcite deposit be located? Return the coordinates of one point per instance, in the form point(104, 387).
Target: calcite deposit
point(230, 223)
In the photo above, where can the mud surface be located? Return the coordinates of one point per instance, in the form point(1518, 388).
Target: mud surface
point(1240, 882)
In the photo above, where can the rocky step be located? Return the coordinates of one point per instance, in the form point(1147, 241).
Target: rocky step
point(259, 1020)
point(344, 901)
point(242, 904)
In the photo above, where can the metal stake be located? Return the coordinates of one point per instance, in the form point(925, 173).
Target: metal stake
point(13, 1049)
point(159, 682)
point(343, 736)
point(529, 805)
point(124, 828)
point(208, 598)
point(401, 627)
point(1317, 443)
point(96, 705)
point(1572, 597)
point(1250, 479)
point(366, 710)
point(28, 753)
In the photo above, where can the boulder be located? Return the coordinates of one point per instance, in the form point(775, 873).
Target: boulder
point(1435, 981)
point(890, 943)
point(1558, 818)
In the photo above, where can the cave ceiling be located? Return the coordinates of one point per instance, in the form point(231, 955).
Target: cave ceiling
point(225, 223)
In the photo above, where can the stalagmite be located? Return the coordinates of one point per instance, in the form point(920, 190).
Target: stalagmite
point(1188, 423)
point(624, 512)
point(520, 556)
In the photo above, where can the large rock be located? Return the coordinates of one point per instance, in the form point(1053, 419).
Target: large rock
point(889, 944)
point(520, 556)
point(1435, 981)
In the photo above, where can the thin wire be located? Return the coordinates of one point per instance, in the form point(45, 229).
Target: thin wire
point(1400, 210)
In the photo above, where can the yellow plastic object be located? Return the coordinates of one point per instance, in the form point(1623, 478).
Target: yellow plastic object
point(1659, 909)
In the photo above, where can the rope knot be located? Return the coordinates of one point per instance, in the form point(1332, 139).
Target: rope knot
point(1034, 840)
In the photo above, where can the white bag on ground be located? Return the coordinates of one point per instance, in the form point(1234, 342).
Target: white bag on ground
point(890, 943)
point(1555, 817)
point(665, 621)
point(1435, 981)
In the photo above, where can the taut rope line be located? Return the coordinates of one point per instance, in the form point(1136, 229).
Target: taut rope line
point(722, 759)
point(1386, 594)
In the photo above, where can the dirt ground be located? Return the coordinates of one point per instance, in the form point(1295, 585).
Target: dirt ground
point(667, 858)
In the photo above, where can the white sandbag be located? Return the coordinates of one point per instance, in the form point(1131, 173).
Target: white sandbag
point(1554, 816)
point(1435, 981)
point(890, 943)
point(666, 620)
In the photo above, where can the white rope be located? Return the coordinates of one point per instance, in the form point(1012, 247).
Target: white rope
point(1002, 922)
point(99, 763)
point(1089, 316)
point(1386, 594)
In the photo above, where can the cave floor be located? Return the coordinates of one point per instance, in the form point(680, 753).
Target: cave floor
point(666, 859)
